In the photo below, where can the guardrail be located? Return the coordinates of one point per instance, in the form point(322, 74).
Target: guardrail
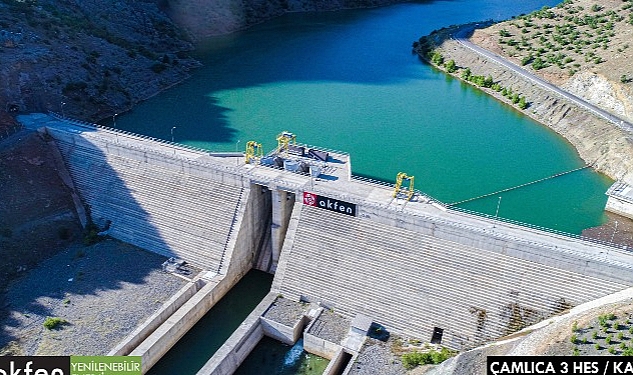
point(297, 187)
point(94, 126)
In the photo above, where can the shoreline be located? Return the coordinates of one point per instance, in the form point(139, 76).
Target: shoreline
point(588, 143)
point(597, 142)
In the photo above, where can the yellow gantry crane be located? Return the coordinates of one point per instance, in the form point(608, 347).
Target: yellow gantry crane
point(254, 152)
point(400, 178)
point(284, 139)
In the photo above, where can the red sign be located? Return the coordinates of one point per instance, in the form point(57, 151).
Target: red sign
point(309, 199)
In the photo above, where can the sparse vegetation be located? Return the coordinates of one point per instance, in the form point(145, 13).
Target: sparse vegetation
point(414, 359)
point(53, 322)
point(613, 342)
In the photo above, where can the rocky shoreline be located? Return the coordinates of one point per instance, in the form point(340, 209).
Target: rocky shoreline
point(599, 143)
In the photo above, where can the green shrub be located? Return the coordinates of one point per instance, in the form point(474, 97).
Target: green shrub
point(414, 359)
point(611, 350)
point(53, 322)
point(451, 67)
point(437, 58)
point(608, 339)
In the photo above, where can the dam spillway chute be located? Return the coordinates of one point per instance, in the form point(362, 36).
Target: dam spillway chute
point(399, 190)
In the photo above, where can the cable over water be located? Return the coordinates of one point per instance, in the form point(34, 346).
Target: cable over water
point(520, 186)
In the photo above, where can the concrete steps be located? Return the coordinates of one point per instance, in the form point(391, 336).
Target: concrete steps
point(163, 210)
point(412, 282)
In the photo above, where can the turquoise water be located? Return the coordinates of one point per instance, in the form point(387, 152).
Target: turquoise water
point(272, 357)
point(195, 348)
point(348, 81)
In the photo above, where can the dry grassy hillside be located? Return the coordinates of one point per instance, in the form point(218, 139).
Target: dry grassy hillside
point(585, 46)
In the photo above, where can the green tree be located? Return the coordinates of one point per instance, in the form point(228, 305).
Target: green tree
point(488, 82)
point(522, 103)
point(437, 58)
point(451, 67)
point(466, 74)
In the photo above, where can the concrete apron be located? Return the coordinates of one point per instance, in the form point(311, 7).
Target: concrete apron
point(172, 326)
point(237, 348)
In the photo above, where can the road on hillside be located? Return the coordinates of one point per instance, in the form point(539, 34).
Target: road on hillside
point(461, 36)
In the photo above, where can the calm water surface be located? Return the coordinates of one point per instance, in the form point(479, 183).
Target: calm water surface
point(348, 81)
point(199, 344)
point(271, 357)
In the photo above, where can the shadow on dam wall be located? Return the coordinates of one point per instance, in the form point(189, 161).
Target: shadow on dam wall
point(82, 271)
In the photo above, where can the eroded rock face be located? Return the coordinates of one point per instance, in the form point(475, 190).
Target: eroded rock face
point(601, 92)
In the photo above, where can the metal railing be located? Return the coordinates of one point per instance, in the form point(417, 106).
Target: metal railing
point(94, 126)
point(298, 187)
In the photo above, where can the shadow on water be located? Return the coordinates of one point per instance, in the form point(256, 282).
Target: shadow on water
point(87, 271)
point(349, 46)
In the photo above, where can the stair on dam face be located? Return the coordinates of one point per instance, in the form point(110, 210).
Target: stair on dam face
point(413, 282)
point(163, 210)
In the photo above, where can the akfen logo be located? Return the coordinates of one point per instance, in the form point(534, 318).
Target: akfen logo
point(75, 365)
point(330, 204)
point(309, 199)
point(34, 366)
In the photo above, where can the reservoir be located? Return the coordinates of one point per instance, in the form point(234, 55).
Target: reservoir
point(348, 81)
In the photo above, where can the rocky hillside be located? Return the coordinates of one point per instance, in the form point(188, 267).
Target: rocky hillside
point(585, 46)
point(37, 215)
point(91, 59)
point(88, 58)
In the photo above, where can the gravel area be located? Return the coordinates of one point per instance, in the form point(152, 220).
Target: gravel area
point(285, 311)
point(103, 292)
point(376, 357)
point(331, 327)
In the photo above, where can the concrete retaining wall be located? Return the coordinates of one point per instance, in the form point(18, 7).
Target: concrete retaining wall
point(233, 352)
point(168, 309)
point(413, 274)
point(339, 364)
point(249, 231)
point(620, 207)
point(167, 334)
point(283, 333)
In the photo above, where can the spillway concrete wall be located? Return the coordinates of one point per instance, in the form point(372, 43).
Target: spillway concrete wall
point(412, 268)
point(160, 203)
point(413, 273)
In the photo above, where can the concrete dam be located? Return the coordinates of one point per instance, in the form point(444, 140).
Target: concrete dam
point(415, 267)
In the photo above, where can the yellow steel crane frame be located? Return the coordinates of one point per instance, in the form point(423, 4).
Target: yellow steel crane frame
point(400, 178)
point(284, 139)
point(254, 152)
